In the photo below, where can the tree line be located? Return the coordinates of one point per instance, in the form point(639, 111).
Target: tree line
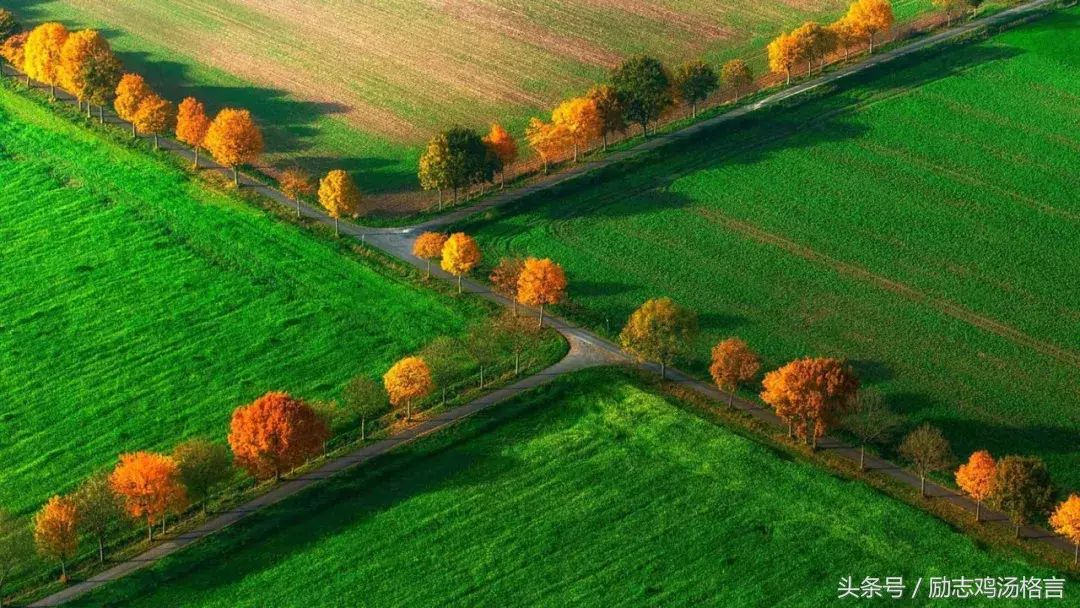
point(815, 395)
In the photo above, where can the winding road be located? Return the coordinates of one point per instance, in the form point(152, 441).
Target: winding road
point(586, 348)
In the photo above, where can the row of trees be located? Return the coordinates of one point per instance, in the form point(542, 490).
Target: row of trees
point(816, 395)
point(84, 64)
point(813, 41)
point(461, 158)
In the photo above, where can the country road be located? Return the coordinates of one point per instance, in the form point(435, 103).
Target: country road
point(586, 348)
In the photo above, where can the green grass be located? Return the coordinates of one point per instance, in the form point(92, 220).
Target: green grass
point(863, 223)
point(591, 491)
point(139, 307)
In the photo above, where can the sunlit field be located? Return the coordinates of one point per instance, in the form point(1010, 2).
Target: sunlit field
point(920, 221)
point(589, 492)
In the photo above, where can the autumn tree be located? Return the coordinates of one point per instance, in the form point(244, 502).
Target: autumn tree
point(429, 246)
point(9, 25)
point(1066, 521)
point(976, 478)
point(810, 394)
point(234, 139)
point(88, 68)
point(928, 451)
point(785, 52)
point(819, 42)
point(660, 331)
point(56, 532)
point(505, 277)
point(1022, 489)
point(541, 283)
point(192, 123)
point(737, 75)
point(339, 195)
point(408, 379)
point(99, 509)
point(644, 89)
point(733, 365)
point(870, 17)
point(460, 254)
point(580, 118)
point(951, 8)
point(547, 139)
point(154, 116)
point(502, 147)
point(519, 335)
point(845, 35)
point(434, 171)
point(13, 50)
point(149, 485)
point(296, 184)
point(16, 547)
point(130, 93)
point(366, 399)
point(485, 344)
point(870, 420)
point(203, 466)
point(274, 434)
point(43, 54)
point(447, 361)
point(609, 109)
point(694, 81)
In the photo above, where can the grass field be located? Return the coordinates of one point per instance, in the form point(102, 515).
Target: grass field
point(591, 491)
point(921, 221)
point(138, 307)
point(360, 85)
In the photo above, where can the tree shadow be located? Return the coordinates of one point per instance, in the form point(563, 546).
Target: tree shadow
point(871, 372)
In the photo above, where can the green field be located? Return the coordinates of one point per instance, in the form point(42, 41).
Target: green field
point(920, 220)
point(360, 86)
point(592, 491)
point(138, 307)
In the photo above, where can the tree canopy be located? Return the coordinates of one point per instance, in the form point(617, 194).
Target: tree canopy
point(274, 434)
point(643, 86)
point(694, 81)
point(660, 331)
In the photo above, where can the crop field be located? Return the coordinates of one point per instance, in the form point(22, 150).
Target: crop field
point(590, 491)
point(921, 221)
point(138, 307)
point(360, 85)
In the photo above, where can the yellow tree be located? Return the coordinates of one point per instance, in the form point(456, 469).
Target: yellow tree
point(296, 184)
point(541, 282)
point(429, 246)
point(976, 478)
point(339, 195)
point(810, 394)
point(785, 52)
point(56, 531)
point(154, 116)
point(234, 139)
point(733, 364)
point(819, 42)
point(580, 119)
point(130, 93)
point(435, 166)
point(547, 139)
point(14, 50)
point(845, 35)
point(43, 50)
point(88, 67)
point(737, 75)
point(460, 254)
point(870, 17)
point(503, 148)
point(192, 123)
point(660, 331)
point(408, 379)
point(1066, 521)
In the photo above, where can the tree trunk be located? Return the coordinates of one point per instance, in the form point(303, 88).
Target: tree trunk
point(862, 457)
point(871, 45)
point(541, 315)
point(444, 395)
point(440, 199)
point(693, 107)
point(605, 141)
point(515, 307)
point(645, 129)
point(1017, 530)
point(789, 429)
point(545, 165)
point(575, 152)
point(408, 410)
point(736, 94)
point(164, 518)
point(428, 276)
point(149, 531)
point(455, 195)
point(481, 376)
point(978, 510)
point(337, 230)
point(63, 572)
point(517, 363)
point(277, 475)
point(731, 400)
point(196, 149)
point(101, 114)
point(52, 92)
point(1076, 554)
point(810, 66)
point(134, 133)
point(788, 70)
point(363, 431)
point(297, 204)
point(100, 550)
point(459, 284)
point(922, 485)
point(813, 441)
point(235, 177)
point(88, 110)
point(663, 370)
point(155, 141)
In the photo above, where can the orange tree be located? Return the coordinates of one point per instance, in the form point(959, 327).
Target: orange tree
point(234, 139)
point(1066, 521)
point(541, 282)
point(88, 67)
point(505, 276)
point(580, 118)
point(43, 50)
point(149, 485)
point(548, 140)
point(192, 123)
point(976, 478)
point(809, 394)
point(14, 50)
point(785, 51)
point(296, 184)
point(845, 35)
point(660, 331)
point(130, 93)
point(56, 532)
point(408, 379)
point(733, 364)
point(429, 246)
point(275, 433)
point(154, 116)
point(869, 18)
point(503, 149)
point(460, 254)
point(339, 195)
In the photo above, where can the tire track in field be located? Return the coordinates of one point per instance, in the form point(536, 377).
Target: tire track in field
point(998, 328)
